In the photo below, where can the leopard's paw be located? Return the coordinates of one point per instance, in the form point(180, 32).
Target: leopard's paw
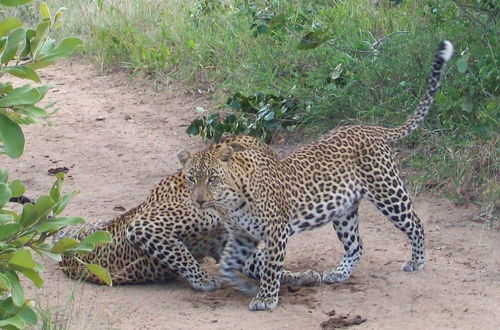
point(263, 304)
point(307, 278)
point(210, 284)
point(412, 266)
point(334, 276)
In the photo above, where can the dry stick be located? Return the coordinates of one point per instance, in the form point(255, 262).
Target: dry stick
point(378, 43)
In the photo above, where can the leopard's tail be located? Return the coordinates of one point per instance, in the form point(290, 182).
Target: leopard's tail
point(443, 55)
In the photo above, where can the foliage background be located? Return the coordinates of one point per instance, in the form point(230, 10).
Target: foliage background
point(339, 62)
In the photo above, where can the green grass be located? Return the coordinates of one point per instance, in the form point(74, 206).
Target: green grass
point(351, 78)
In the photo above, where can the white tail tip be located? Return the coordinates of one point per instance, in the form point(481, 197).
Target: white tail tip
point(445, 50)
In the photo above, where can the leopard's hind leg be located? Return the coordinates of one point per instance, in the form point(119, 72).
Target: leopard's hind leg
point(389, 195)
point(347, 230)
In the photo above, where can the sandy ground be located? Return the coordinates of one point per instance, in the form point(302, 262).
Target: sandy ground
point(118, 138)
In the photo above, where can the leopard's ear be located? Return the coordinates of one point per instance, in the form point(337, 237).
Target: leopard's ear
point(237, 147)
point(184, 157)
point(225, 153)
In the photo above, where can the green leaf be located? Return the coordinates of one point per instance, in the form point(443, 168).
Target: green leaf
point(8, 231)
point(33, 276)
point(17, 188)
point(14, 39)
point(100, 272)
point(55, 191)
point(28, 216)
point(15, 321)
point(45, 11)
point(64, 50)
point(23, 258)
point(58, 223)
point(53, 256)
point(462, 65)
point(6, 218)
point(61, 205)
point(8, 25)
point(39, 36)
point(12, 136)
point(33, 111)
point(4, 175)
point(28, 315)
point(82, 248)
point(17, 290)
point(64, 244)
point(30, 34)
point(5, 193)
point(43, 204)
point(4, 283)
point(13, 3)
point(98, 238)
point(22, 72)
point(193, 128)
point(21, 95)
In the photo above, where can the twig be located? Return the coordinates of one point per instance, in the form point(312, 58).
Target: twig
point(376, 44)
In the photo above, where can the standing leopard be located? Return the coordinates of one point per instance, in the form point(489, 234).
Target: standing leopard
point(266, 199)
point(165, 237)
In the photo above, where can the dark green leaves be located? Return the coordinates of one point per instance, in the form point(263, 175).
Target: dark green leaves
point(259, 115)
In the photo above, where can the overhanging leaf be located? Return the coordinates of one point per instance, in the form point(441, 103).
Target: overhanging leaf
point(98, 238)
point(64, 50)
point(11, 136)
point(15, 321)
point(8, 25)
point(28, 315)
point(14, 39)
point(5, 193)
point(22, 72)
point(57, 223)
point(4, 283)
point(8, 230)
point(64, 244)
point(17, 188)
point(33, 276)
point(23, 258)
point(17, 290)
point(100, 272)
point(20, 96)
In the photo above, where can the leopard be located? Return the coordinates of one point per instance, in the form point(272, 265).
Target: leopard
point(265, 200)
point(165, 238)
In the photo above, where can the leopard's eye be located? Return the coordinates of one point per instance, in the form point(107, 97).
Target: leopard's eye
point(190, 178)
point(212, 179)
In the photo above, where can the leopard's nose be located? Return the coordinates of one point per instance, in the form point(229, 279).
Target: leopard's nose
point(200, 202)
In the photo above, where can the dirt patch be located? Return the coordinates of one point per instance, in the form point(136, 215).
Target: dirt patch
point(118, 138)
point(341, 321)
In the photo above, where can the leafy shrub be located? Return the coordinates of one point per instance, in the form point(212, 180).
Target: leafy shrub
point(22, 52)
point(259, 115)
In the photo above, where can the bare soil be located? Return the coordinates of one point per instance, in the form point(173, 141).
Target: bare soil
point(116, 138)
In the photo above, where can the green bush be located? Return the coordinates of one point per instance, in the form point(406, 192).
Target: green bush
point(22, 52)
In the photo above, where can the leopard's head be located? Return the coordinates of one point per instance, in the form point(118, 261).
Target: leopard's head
point(206, 175)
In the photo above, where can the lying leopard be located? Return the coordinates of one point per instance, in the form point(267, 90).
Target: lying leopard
point(165, 237)
point(266, 199)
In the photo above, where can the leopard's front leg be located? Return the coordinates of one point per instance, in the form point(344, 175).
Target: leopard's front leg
point(238, 248)
point(274, 256)
point(173, 253)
